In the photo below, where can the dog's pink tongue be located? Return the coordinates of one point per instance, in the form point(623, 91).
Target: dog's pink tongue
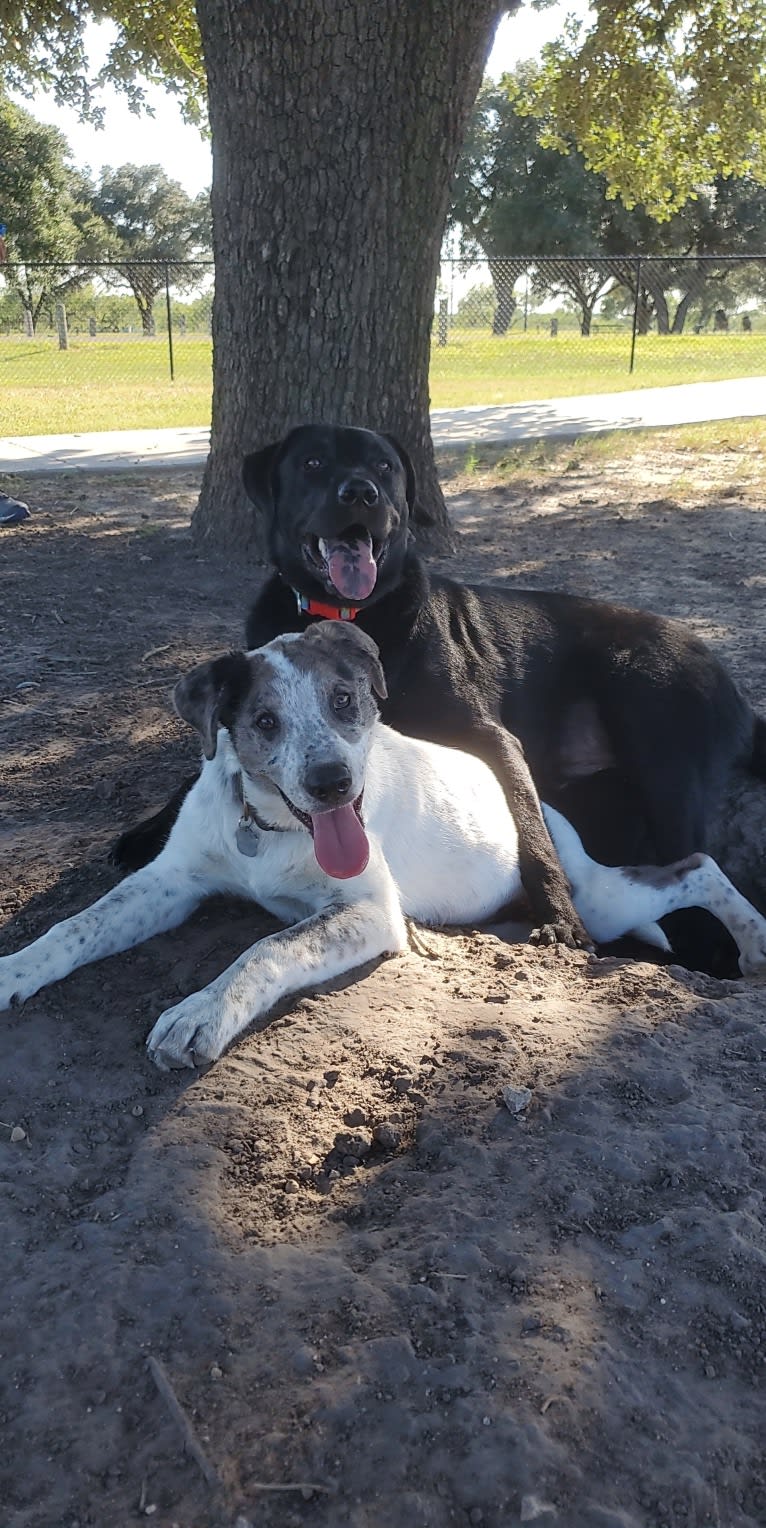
point(352, 568)
point(340, 842)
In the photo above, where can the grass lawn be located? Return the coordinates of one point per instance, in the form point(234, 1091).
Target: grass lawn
point(727, 451)
point(123, 382)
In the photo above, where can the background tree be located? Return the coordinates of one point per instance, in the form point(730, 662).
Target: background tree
point(513, 196)
point(661, 96)
point(336, 126)
point(46, 206)
point(152, 228)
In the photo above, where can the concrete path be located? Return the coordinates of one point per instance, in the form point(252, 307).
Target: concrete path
point(503, 424)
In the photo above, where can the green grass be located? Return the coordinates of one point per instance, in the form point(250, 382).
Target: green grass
point(122, 381)
point(728, 450)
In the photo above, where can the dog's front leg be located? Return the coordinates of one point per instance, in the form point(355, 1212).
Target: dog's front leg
point(545, 884)
point(319, 948)
point(157, 898)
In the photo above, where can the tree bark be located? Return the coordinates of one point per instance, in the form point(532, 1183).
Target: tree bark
point(335, 131)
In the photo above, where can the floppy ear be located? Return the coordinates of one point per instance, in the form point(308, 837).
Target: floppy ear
point(258, 473)
point(209, 696)
point(418, 513)
point(343, 640)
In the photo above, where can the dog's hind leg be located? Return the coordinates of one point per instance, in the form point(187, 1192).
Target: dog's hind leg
point(317, 949)
point(614, 901)
point(154, 899)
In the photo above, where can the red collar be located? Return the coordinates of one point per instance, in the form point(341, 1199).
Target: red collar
point(330, 612)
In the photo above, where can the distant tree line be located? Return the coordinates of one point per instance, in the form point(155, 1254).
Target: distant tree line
point(517, 196)
point(515, 199)
point(56, 216)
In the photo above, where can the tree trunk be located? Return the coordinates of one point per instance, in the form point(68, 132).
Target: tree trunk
point(335, 132)
point(503, 281)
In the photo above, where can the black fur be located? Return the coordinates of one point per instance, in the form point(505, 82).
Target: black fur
point(628, 723)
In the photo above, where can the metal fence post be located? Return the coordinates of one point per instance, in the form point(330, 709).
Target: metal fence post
point(170, 325)
point(635, 317)
point(61, 326)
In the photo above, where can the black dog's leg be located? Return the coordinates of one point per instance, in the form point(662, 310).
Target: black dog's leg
point(545, 884)
point(137, 846)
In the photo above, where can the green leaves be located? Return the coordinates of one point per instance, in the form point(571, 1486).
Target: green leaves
point(42, 47)
point(661, 96)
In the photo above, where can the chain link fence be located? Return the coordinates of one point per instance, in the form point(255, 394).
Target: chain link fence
point(117, 346)
point(523, 329)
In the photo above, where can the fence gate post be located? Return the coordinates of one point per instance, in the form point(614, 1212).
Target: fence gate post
point(170, 324)
point(635, 317)
point(63, 332)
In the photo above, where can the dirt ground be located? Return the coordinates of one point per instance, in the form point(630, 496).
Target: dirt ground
point(469, 1317)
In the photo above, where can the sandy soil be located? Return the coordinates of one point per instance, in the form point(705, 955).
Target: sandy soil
point(381, 1299)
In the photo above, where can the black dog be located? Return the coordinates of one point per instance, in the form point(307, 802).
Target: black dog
point(628, 724)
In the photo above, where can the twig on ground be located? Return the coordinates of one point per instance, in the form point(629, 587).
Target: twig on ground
point(190, 1441)
point(289, 1485)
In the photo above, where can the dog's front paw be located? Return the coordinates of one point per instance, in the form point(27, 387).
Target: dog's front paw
point(569, 932)
point(15, 984)
point(752, 957)
point(194, 1033)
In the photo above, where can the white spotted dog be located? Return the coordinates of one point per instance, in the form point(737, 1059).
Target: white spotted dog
point(341, 828)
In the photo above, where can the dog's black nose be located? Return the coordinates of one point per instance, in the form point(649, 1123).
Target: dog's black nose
point(358, 490)
point(328, 783)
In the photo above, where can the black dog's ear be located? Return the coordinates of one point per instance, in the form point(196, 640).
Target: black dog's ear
point(342, 640)
point(258, 474)
point(209, 696)
point(418, 513)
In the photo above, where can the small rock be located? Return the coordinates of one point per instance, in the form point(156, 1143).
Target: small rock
point(357, 1145)
point(216, 1372)
point(355, 1117)
point(516, 1100)
point(292, 1186)
point(532, 1508)
point(387, 1136)
point(17, 1134)
point(137, 1111)
point(402, 1084)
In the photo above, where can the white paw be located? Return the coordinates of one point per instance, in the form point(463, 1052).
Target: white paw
point(193, 1033)
point(16, 985)
point(752, 960)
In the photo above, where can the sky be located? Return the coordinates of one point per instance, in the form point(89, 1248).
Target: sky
point(185, 156)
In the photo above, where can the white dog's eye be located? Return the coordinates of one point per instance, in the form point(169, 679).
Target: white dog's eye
point(384, 467)
point(266, 722)
point(313, 464)
point(341, 700)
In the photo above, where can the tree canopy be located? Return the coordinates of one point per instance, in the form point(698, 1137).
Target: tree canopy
point(47, 207)
point(152, 228)
point(660, 96)
point(514, 199)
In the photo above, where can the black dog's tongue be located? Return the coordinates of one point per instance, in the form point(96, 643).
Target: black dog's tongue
point(351, 566)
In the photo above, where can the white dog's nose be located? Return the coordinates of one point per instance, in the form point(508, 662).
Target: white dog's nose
point(328, 783)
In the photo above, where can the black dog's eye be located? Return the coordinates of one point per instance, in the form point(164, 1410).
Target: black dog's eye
point(313, 464)
point(341, 700)
point(266, 722)
point(384, 467)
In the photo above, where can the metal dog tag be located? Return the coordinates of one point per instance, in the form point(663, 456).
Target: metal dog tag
point(247, 837)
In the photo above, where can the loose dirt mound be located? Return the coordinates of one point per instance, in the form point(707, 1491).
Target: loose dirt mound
point(382, 1298)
